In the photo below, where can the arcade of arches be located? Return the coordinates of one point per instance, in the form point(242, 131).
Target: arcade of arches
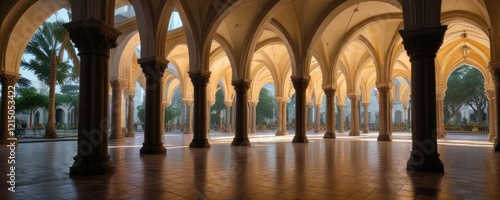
point(339, 49)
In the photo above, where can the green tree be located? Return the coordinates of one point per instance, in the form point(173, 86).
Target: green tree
point(30, 100)
point(23, 82)
point(466, 87)
point(217, 107)
point(266, 106)
point(49, 46)
point(141, 113)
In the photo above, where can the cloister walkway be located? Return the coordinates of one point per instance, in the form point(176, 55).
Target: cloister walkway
point(272, 168)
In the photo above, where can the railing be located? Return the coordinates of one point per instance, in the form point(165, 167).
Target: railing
point(467, 128)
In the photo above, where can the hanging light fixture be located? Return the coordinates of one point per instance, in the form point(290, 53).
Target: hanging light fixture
point(465, 49)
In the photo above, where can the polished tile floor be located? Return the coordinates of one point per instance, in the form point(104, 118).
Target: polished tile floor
point(272, 168)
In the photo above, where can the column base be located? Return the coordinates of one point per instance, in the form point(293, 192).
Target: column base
point(384, 137)
point(240, 142)
point(131, 134)
point(420, 162)
point(253, 131)
point(300, 139)
point(341, 131)
point(329, 135)
point(153, 149)
point(50, 134)
point(366, 131)
point(497, 145)
point(354, 133)
point(316, 131)
point(196, 143)
point(279, 133)
point(188, 132)
point(491, 138)
point(441, 135)
point(116, 137)
point(91, 166)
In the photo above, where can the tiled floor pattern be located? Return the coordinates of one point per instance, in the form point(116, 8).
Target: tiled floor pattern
point(272, 168)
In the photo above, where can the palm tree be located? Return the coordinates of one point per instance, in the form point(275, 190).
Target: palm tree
point(49, 45)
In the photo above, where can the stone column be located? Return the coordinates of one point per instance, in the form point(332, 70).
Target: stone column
point(405, 116)
point(491, 113)
point(318, 118)
point(421, 45)
point(8, 83)
point(385, 124)
point(342, 118)
point(189, 128)
point(183, 113)
point(94, 39)
point(229, 106)
point(495, 69)
point(330, 113)
point(240, 129)
point(200, 80)
point(116, 111)
point(440, 94)
point(300, 83)
point(131, 132)
point(153, 68)
point(253, 117)
point(279, 125)
point(354, 114)
point(284, 122)
point(366, 116)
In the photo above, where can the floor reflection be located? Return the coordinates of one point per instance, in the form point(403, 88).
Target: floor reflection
point(272, 168)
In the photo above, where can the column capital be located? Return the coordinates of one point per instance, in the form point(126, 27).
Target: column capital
point(253, 103)
point(9, 79)
point(424, 42)
point(187, 101)
point(494, 67)
point(241, 85)
point(118, 84)
point(200, 78)
point(365, 104)
point(281, 99)
point(92, 36)
point(353, 96)
point(153, 67)
point(341, 106)
point(329, 91)
point(228, 103)
point(300, 83)
point(130, 92)
point(310, 104)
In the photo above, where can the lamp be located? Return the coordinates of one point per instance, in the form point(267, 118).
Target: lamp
point(465, 49)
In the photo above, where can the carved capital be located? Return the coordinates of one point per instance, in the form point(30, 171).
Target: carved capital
point(384, 90)
point(92, 36)
point(118, 84)
point(423, 43)
point(153, 68)
point(330, 92)
point(494, 68)
point(353, 96)
point(187, 102)
point(228, 103)
point(365, 104)
point(241, 86)
point(9, 79)
point(300, 83)
point(200, 78)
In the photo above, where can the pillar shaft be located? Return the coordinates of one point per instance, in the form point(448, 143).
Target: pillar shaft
point(253, 117)
point(354, 115)
point(495, 68)
point(153, 68)
point(130, 132)
point(342, 118)
point(94, 39)
point(279, 132)
point(421, 46)
point(366, 116)
point(200, 80)
point(229, 106)
point(491, 114)
point(183, 112)
point(318, 118)
point(241, 126)
point(300, 84)
point(440, 94)
point(189, 129)
point(284, 118)
point(385, 113)
point(330, 113)
point(116, 110)
point(7, 125)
